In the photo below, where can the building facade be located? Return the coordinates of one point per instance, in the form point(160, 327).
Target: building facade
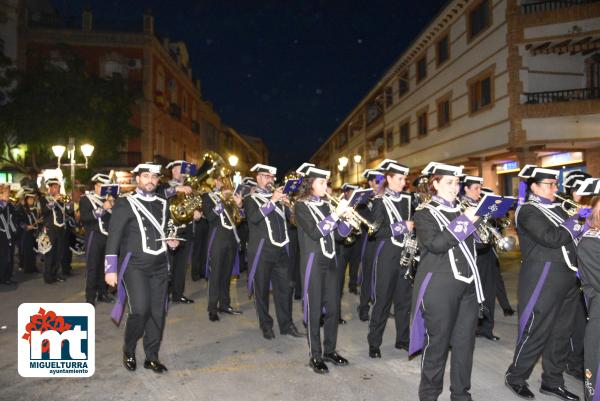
point(490, 85)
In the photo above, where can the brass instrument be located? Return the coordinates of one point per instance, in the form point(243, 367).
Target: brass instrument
point(571, 211)
point(488, 233)
point(355, 219)
point(409, 257)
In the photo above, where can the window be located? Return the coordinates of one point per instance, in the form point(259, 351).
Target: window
point(404, 132)
point(342, 139)
point(173, 90)
point(389, 96)
point(443, 111)
point(481, 92)
point(375, 147)
point(442, 50)
point(403, 84)
point(389, 140)
point(422, 123)
point(422, 68)
point(479, 18)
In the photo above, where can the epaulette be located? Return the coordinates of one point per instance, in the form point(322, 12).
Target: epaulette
point(592, 233)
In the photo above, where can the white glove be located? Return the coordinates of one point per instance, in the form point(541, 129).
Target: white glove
point(342, 207)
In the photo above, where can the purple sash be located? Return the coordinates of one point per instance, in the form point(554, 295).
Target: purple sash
point(207, 267)
point(117, 311)
point(88, 244)
point(597, 386)
point(532, 301)
point(254, 265)
point(306, 282)
point(235, 270)
point(417, 329)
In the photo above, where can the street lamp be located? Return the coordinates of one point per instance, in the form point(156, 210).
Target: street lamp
point(233, 160)
point(59, 151)
point(343, 161)
point(357, 158)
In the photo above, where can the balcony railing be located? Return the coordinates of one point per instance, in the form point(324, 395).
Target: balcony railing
point(550, 5)
point(563, 96)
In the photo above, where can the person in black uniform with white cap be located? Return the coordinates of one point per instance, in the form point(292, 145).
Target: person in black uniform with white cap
point(95, 211)
point(29, 221)
point(318, 227)
point(137, 262)
point(180, 256)
point(8, 233)
point(267, 253)
point(54, 214)
point(547, 288)
point(447, 293)
point(367, 243)
point(223, 249)
point(392, 213)
point(348, 252)
point(588, 257)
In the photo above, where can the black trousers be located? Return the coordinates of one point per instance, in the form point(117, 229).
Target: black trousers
point(450, 312)
point(199, 249)
point(367, 274)
point(323, 296)
point(26, 252)
point(146, 288)
point(592, 351)
point(94, 265)
point(501, 290)
point(348, 259)
point(294, 252)
point(390, 287)
point(576, 342)
point(179, 263)
point(272, 268)
point(53, 259)
point(222, 256)
point(487, 263)
point(67, 255)
point(547, 331)
point(7, 250)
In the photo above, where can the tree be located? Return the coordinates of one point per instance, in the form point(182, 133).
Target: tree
point(56, 99)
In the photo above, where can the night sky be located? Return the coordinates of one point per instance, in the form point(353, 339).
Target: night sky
point(286, 73)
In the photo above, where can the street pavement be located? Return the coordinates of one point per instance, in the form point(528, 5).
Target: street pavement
point(230, 360)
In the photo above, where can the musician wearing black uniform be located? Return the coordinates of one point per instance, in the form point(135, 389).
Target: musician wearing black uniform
point(348, 253)
point(223, 249)
point(137, 261)
point(487, 261)
point(95, 211)
point(588, 256)
point(367, 243)
point(392, 213)
point(8, 233)
point(318, 228)
point(447, 292)
point(268, 254)
point(54, 215)
point(28, 221)
point(180, 256)
point(547, 289)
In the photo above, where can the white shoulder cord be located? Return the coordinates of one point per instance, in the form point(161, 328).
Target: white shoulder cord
point(318, 217)
point(222, 216)
point(96, 201)
point(137, 207)
point(61, 208)
point(286, 240)
point(392, 213)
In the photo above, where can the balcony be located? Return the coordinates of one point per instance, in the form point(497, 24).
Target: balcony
point(562, 95)
point(552, 5)
point(175, 111)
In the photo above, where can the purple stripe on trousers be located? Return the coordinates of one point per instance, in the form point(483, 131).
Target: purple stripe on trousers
point(117, 311)
point(235, 270)
point(532, 301)
point(417, 328)
point(597, 386)
point(87, 246)
point(306, 282)
point(254, 266)
point(374, 271)
point(359, 279)
point(210, 241)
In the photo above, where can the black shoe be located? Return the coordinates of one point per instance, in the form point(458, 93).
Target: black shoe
point(341, 321)
point(182, 300)
point(318, 366)
point(129, 361)
point(322, 321)
point(195, 278)
point(509, 312)
point(230, 311)
point(490, 337)
point(559, 392)
point(60, 280)
point(374, 352)
point(156, 366)
point(268, 334)
point(293, 331)
point(50, 281)
point(106, 298)
point(576, 373)
point(363, 315)
point(403, 346)
point(353, 291)
point(335, 358)
point(213, 317)
point(520, 390)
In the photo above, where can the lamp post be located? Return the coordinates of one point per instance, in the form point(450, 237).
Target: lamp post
point(59, 151)
point(357, 158)
point(233, 160)
point(343, 163)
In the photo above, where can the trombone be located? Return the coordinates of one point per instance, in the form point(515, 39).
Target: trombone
point(355, 219)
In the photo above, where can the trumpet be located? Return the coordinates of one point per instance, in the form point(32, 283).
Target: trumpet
point(574, 206)
point(355, 219)
point(488, 233)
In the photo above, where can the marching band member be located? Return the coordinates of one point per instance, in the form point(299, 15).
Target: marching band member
point(588, 257)
point(54, 213)
point(8, 232)
point(180, 256)
point(447, 288)
point(318, 226)
point(95, 211)
point(487, 261)
point(547, 288)
point(137, 261)
point(268, 253)
point(223, 249)
point(374, 180)
point(392, 214)
point(28, 220)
